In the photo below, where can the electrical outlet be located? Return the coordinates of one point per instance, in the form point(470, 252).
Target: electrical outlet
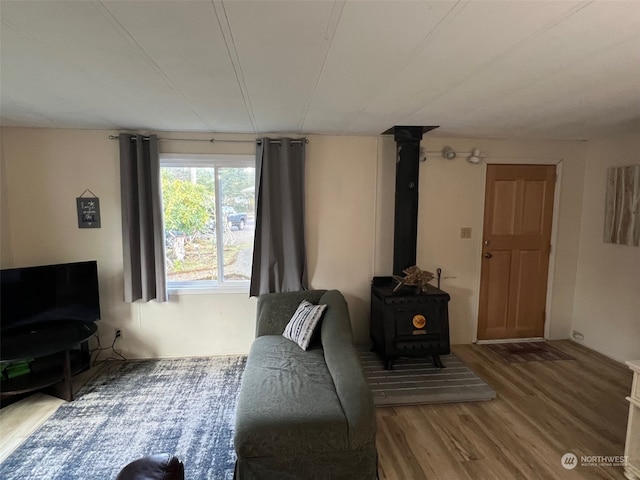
point(465, 232)
point(118, 333)
point(577, 335)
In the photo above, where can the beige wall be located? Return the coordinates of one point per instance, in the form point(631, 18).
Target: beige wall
point(349, 201)
point(607, 295)
point(6, 254)
point(46, 169)
point(350, 184)
point(340, 192)
point(452, 195)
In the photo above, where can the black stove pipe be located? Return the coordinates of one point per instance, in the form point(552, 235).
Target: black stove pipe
point(405, 231)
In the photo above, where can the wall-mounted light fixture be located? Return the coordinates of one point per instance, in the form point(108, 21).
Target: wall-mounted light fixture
point(448, 152)
point(475, 156)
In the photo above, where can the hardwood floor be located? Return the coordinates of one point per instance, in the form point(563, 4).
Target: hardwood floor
point(21, 419)
point(543, 410)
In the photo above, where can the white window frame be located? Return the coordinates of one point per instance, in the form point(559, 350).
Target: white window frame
point(209, 161)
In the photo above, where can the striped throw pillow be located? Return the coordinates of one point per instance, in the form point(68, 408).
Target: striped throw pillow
point(303, 323)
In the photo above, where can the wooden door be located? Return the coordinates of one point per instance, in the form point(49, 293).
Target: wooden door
point(516, 245)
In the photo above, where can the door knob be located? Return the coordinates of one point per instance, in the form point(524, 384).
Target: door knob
point(487, 255)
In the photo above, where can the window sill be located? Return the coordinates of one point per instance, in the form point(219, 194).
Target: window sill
point(207, 288)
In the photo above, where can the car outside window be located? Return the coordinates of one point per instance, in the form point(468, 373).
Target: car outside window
point(209, 218)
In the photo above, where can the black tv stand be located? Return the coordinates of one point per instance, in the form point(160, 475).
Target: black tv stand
point(56, 352)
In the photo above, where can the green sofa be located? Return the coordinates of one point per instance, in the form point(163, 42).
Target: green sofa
point(304, 414)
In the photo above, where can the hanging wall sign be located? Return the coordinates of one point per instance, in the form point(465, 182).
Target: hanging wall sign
point(88, 210)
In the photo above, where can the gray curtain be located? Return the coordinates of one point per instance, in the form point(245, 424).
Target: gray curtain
point(142, 225)
point(279, 255)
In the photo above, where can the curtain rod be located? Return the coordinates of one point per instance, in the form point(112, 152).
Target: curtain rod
point(212, 140)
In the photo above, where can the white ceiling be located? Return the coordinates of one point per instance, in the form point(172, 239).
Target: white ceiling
point(535, 69)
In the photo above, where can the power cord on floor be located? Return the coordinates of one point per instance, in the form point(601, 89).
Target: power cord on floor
point(116, 355)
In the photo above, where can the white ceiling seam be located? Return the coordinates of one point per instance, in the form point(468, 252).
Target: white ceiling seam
point(548, 76)
point(547, 69)
point(446, 19)
point(576, 67)
point(330, 32)
point(478, 34)
point(130, 38)
point(508, 51)
point(30, 109)
point(376, 41)
point(227, 33)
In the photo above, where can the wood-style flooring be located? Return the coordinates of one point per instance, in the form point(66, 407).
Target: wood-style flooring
point(22, 418)
point(543, 410)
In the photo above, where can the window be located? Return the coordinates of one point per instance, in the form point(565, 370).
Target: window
point(209, 218)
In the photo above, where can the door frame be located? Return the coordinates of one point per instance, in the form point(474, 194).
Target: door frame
point(554, 234)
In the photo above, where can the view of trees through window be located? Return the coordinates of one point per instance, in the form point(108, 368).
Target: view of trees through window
point(208, 238)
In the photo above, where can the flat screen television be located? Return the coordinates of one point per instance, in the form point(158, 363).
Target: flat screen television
point(34, 297)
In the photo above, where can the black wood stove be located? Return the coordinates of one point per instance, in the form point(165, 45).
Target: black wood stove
point(408, 322)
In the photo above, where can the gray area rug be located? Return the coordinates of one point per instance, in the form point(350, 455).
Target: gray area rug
point(415, 381)
point(137, 408)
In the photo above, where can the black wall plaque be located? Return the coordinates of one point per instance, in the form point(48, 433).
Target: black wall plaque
point(88, 212)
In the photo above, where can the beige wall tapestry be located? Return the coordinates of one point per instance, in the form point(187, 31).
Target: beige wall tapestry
point(622, 210)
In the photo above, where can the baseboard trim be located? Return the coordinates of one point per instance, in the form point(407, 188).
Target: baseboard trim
point(581, 343)
point(511, 340)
